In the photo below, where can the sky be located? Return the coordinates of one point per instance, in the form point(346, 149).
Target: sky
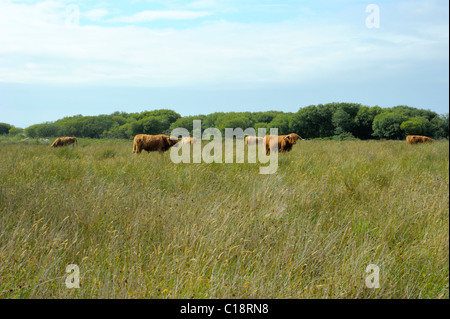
point(63, 58)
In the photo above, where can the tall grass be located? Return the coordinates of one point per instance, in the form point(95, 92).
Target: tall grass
point(143, 227)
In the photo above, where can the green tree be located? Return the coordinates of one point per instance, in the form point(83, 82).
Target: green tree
point(440, 125)
point(187, 122)
point(119, 119)
point(350, 108)
point(281, 121)
point(170, 115)
point(387, 125)
point(342, 122)
point(444, 126)
point(149, 125)
point(31, 131)
point(123, 131)
point(409, 111)
point(313, 121)
point(265, 117)
point(326, 111)
point(152, 125)
point(305, 122)
point(15, 131)
point(210, 120)
point(416, 126)
point(260, 125)
point(364, 121)
point(234, 122)
point(4, 128)
point(116, 131)
point(47, 130)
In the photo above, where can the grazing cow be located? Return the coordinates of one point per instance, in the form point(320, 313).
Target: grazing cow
point(414, 139)
point(189, 140)
point(251, 140)
point(63, 141)
point(150, 143)
point(284, 142)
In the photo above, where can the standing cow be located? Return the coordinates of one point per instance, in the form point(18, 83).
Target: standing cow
point(63, 141)
point(284, 142)
point(150, 143)
point(415, 139)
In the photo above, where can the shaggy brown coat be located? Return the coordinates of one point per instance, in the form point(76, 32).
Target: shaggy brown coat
point(63, 141)
point(251, 140)
point(285, 142)
point(150, 143)
point(414, 139)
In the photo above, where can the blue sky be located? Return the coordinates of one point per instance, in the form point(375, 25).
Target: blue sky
point(61, 58)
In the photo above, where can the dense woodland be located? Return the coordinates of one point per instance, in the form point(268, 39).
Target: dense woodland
point(333, 120)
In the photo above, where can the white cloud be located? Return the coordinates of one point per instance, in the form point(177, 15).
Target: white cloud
point(202, 4)
point(420, 8)
point(150, 15)
point(36, 47)
point(95, 14)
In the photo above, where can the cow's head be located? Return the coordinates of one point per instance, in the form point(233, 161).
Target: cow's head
point(292, 138)
point(172, 141)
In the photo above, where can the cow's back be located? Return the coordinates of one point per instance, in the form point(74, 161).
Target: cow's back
point(250, 140)
point(414, 139)
point(152, 142)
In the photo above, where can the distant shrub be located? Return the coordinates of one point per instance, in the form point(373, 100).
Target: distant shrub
point(4, 128)
point(15, 131)
point(346, 136)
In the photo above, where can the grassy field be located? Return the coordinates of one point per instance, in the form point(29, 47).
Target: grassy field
point(143, 227)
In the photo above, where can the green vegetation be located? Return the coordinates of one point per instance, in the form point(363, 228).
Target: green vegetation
point(4, 128)
point(338, 121)
point(143, 227)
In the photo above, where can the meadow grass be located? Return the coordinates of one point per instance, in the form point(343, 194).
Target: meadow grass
point(144, 227)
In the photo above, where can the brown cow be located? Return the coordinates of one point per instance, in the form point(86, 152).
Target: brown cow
point(285, 142)
point(188, 140)
point(414, 139)
point(251, 140)
point(150, 143)
point(63, 141)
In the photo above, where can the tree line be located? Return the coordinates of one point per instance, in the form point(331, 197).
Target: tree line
point(339, 121)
